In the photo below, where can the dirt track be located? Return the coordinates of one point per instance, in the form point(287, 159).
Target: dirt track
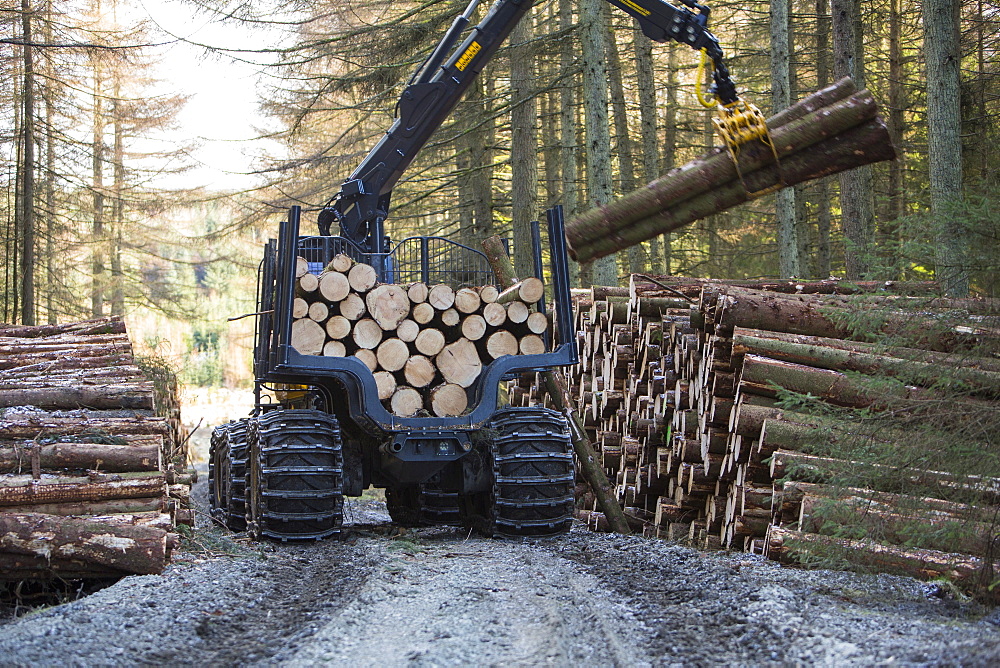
point(439, 597)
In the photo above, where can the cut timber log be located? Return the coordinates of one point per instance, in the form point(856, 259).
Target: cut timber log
point(23, 490)
point(429, 342)
point(334, 286)
point(94, 456)
point(792, 546)
point(441, 297)
point(417, 293)
point(501, 343)
point(367, 333)
point(319, 312)
point(341, 263)
point(459, 362)
point(352, 307)
point(386, 384)
point(367, 358)
point(406, 401)
point(126, 395)
point(338, 327)
point(861, 145)
point(467, 301)
point(308, 336)
point(362, 277)
point(448, 400)
point(392, 354)
point(388, 306)
point(51, 545)
point(334, 349)
point(419, 371)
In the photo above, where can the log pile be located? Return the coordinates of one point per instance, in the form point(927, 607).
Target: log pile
point(425, 344)
point(93, 470)
point(678, 385)
point(834, 129)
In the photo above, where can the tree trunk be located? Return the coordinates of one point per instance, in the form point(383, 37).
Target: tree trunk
point(523, 142)
point(781, 98)
point(944, 144)
point(28, 173)
point(594, 35)
point(856, 187)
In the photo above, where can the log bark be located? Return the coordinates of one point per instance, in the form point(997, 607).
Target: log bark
point(45, 426)
point(135, 395)
point(23, 490)
point(109, 325)
point(157, 504)
point(95, 456)
point(858, 146)
point(47, 544)
point(790, 546)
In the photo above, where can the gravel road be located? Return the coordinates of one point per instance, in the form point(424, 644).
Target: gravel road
point(438, 597)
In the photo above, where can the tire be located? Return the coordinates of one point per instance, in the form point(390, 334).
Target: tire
point(227, 475)
point(218, 473)
point(294, 480)
point(531, 454)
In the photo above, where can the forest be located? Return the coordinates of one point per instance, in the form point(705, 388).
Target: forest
point(577, 108)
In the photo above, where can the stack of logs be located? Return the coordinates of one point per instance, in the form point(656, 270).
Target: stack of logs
point(425, 345)
point(93, 477)
point(677, 388)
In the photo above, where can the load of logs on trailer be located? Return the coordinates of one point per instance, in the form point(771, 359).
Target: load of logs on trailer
point(426, 345)
point(835, 129)
point(678, 387)
point(93, 477)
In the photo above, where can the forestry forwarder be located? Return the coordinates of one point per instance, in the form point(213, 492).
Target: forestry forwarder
point(321, 433)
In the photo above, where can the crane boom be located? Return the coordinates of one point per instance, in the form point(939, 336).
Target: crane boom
point(362, 204)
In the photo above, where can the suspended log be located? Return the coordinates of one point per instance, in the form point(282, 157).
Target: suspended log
point(841, 136)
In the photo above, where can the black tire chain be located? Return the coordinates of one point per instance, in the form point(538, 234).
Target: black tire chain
point(236, 507)
point(534, 473)
point(218, 456)
point(295, 474)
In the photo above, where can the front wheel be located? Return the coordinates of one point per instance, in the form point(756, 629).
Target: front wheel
point(531, 453)
point(295, 474)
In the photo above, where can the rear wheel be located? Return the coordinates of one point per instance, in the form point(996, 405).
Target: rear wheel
point(422, 505)
point(226, 475)
point(295, 476)
point(531, 454)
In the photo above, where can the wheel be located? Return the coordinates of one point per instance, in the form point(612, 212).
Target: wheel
point(531, 454)
point(236, 507)
point(294, 479)
point(218, 473)
point(422, 505)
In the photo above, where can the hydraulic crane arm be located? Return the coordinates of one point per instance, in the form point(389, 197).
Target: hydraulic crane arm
point(362, 205)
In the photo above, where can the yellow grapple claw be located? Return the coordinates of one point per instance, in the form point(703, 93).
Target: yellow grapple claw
point(739, 124)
